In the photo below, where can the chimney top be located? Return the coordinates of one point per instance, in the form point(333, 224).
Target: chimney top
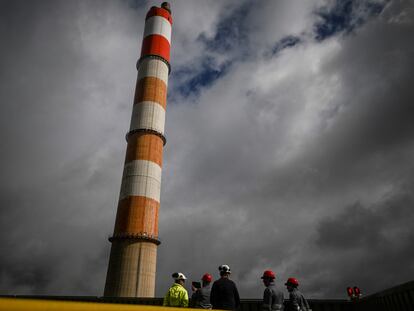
point(166, 6)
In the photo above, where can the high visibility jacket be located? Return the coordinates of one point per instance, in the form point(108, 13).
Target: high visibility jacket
point(272, 299)
point(176, 296)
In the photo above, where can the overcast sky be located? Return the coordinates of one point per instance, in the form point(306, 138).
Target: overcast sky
point(290, 142)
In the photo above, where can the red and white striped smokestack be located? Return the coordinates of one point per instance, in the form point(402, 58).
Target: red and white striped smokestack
point(132, 263)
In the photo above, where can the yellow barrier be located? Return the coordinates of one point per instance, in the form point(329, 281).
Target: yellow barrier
point(13, 304)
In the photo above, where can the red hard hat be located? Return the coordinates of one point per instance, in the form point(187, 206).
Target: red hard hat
point(292, 282)
point(207, 277)
point(268, 274)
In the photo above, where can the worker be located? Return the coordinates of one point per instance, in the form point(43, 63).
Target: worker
point(177, 295)
point(224, 294)
point(272, 297)
point(297, 301)
point(201, 296)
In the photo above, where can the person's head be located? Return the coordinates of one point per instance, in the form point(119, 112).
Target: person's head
point(179, 278)
point(268, 277)
point(207, 278)
point(224, 271)
point(291, 284)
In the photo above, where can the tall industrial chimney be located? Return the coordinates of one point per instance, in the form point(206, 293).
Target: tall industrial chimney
point(132, 263)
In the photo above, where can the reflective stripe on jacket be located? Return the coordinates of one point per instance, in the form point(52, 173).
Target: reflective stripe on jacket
point(297, 301)
point(272, 299)
point(176, 296)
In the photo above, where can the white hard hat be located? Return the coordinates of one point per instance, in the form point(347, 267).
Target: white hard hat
point(224, 268)
point(179, 276)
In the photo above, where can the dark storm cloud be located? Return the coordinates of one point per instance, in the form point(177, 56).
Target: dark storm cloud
point(229, 40)
point(345, 16)
point(265, 158)
point(307, 135)
point(55, 89)
point(370, 244)
point(231, 32)
point(204, 78)
point(284, 43)
point(373, 122)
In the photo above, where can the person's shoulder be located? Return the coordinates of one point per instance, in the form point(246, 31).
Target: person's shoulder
point(221, 281)
point(215, 284)
point(226, 281)
point(298, 293)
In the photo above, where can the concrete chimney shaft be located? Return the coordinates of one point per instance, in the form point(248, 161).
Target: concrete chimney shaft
point(132, 262)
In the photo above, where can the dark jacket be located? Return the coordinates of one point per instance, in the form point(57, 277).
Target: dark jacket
point(272, 298)
point(201, 298)
point(224, 295)
point(297, 301)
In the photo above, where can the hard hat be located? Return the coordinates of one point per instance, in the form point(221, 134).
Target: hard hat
point(179, 276)
point(268, 274)
point(224, 268)
point(207, 277)
point(292, 282)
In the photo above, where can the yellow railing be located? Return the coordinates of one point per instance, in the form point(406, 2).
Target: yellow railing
point(15, 304)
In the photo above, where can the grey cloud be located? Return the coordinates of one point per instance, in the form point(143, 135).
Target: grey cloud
point(60, 166)
point(263, 164)
point(260, 167)
point(370, 244)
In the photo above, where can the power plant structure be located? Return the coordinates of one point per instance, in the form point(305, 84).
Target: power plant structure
point(133, 258)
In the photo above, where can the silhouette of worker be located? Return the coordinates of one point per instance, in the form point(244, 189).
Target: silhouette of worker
point(224, 293)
